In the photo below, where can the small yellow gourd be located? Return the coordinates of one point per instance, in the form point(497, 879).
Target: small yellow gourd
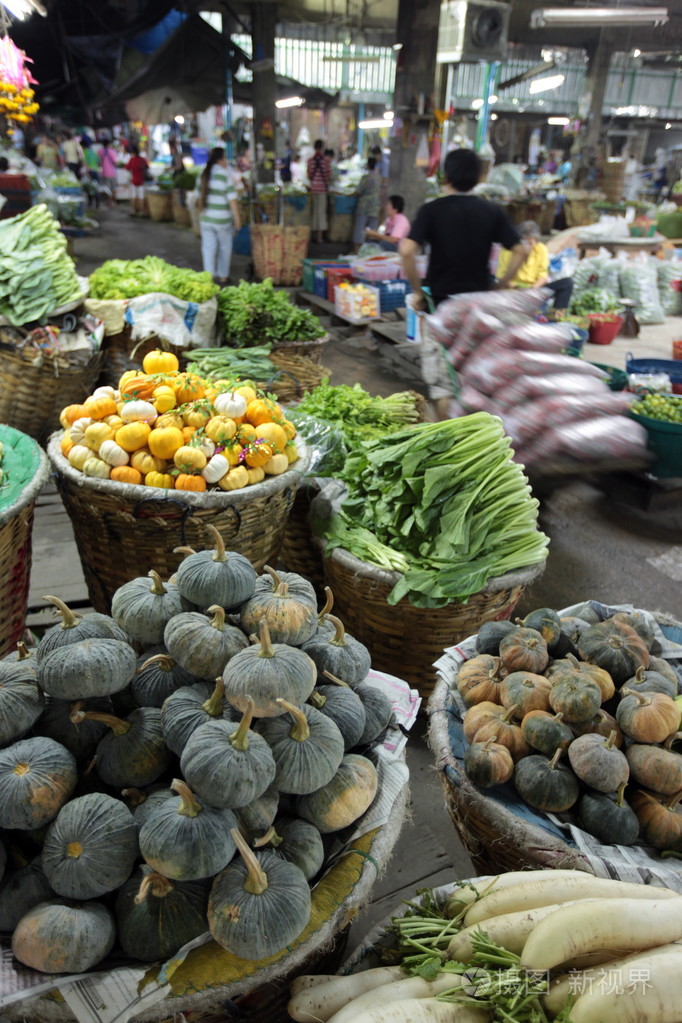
point(128, 375)
point(137, 411)
point(163, 398)
point(273, 434)
point(161, 480)
point(197, 417)
point(115, 422)
point(113, 454)
point(215, 469)
point(204, 444)
point(246, 434)
point(169, 419)
point(235, 479)
point(165, 441)
point(159, 361)
point(188, 387)
point(66, 443)
point(96, 434)
point(249, 394)
point(133, 436)
point(78, 429)
point(288, 428)
point(126, 474)
point(221, 429)
point(144, 461)
point(276, 465)
point(258, 453)
point(98, 408)
point(256, 474)
point(232, 450)
point(94, 466)
point(78, 456)
point(189, 460)
point(291, 451)
point(71, 413)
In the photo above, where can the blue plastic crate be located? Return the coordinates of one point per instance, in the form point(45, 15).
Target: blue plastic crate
point(343, 205)
point(673, 367)
point(392, 294)
point(320, 277)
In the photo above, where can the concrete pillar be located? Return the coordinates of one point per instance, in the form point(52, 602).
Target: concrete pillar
point(585, 148)
point(417, 32)
point(263, 22)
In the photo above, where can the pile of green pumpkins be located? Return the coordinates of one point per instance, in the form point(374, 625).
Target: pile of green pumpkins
point(582, 716)
point(173, 768)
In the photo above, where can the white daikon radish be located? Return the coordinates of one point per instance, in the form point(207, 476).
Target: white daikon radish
point(486, 886)
point(650, 991)
point(623, 925)
point(423, 1010)
point(549, 889)
point(510, 931)
point(321, 1001)
point(308, 980)
point(398, 991)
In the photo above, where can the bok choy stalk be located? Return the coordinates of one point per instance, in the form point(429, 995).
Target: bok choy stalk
point(448, 498)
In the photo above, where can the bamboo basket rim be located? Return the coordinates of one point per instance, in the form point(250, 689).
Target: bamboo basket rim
point(33, 487)
point(204, 499)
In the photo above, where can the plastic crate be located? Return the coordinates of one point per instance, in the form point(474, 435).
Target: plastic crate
point(320, 276)
point(392, 294)
point(665, 440)
point(356, 307)
point(308, 275)
point(670, 366)
point(334, 277)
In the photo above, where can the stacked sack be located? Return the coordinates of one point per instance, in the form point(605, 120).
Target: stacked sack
point(557, 409)
point(647, 281)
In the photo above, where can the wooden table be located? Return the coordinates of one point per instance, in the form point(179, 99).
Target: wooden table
point(621, 244)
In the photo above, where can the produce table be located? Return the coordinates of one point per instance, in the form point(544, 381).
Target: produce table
point(329, 309)
point(621, 245)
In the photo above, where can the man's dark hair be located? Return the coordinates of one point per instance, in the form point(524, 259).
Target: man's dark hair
point(397, 202)
point(319, 145)
point(462, 169)
point(376, 151)
point(329, 153)
point(371, 163)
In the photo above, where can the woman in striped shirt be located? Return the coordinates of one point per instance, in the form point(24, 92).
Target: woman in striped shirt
point(219, 215)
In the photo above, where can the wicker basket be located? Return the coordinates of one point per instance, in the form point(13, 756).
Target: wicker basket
point(122, 531)
point(122, 353)
point(312, 350)
point(181, 213)
point(298, 552)
point(34, 389)
point(160, 205)
point(278, 252)
point(16, 528)
point(298, 376)
point(406, 640)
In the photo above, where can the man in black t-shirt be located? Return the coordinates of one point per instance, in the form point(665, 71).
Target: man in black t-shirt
point(460, 230)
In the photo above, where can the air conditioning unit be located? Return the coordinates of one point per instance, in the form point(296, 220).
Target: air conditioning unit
point(472, 31)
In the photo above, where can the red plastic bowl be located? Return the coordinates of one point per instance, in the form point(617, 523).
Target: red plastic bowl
point(603, 333)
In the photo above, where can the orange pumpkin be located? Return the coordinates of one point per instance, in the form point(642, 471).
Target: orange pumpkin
point(139, 386)
point(66, 443)
point(71, 413)
point(273, 434)
point(169, 419)
point(187, 433)
point(188, 387)
point(133, 436)
point(258, 453)
point(262, 410)
point(246, 434)
point(186, 482)
point(125, 474)
point(165, 442)
point(98, 408)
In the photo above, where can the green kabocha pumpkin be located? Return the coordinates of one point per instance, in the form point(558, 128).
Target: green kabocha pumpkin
point(545, 732)
point(91, 847)
point(144, 606)
point(660, 819)
point(615, 647)
point(546, 784)
point(158, 675)
point(577, 700)
point(657, 769)
point(487, 764)
point(144, 809)
point(577, 671)
point(259, 904)
point(296, 841)
point(90, 667)
point(267, 672)
point(641, 623)
point(608, 818)
point(378, 712)
point(79, 738)
point(21, 700)
point(37, 776)
point(345, 708)
point(255, 818)
point(647, 717)
point(646, 681)
point(598, 762)
point(602, 723)
point(75, 627)
point(188, 708)
point(211, 577)
point(498, 723)
point(339, 654)
point(664, 668)
point(479, 680)
point(228, 767)
point(133, 752)
point(155, 916)
point(307, 747)
point(64, 937)
point(344, 799)
point(526, 691)
point(491, 634)
point(545, 621)
point(567, 643)
point(21, 890)
point(186, 839)
point(524, 650)
point(202, 645)
point(287, 602)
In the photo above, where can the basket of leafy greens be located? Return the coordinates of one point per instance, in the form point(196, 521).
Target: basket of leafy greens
point(260, 314)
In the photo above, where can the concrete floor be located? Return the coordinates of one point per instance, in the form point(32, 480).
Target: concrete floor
point(599, 548)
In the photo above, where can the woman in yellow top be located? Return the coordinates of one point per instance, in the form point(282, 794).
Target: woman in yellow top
point(534, 272)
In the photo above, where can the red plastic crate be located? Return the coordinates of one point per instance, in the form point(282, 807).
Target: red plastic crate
point(336, 276)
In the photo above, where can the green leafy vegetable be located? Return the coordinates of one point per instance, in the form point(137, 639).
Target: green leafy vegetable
point(234, 363)
point(595, 300)
point(121, 278)
point(259, 314)
point(359, 415)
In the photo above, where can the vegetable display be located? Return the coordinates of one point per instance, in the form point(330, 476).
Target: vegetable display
point(260, 315)
point(444, 504)
point(591, 726)
point(178, 818)
point(123, 278)
point(245, 364)
point(176, 431)
point(37, 275)
point(522, 947)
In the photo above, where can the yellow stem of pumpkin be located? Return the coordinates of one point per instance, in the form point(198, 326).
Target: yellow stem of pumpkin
point(22, 651)
point(256, 881)
point(555, 759)
point(156, 884)
point(328, 604)
point(218, 620)
point(240, 738)
point(269, 838)
point(339, 631)
point(157, 586)
point(184, 550)
point(69, 617)
point(220, 554)
point(509, 713)
point(117, 725)
point(334, 679)
point(300, 730)
point(574, 661)
point(488, 743)
point(277, 583)
point(164, 661)
point(620, 794)
point(189, 804)
point(317, 700)
point(266, 647)
point(214, 704)
point(639, 674)
point(611, 740)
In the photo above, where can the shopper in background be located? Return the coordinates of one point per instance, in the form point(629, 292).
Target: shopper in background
point(369, 203)
point(177, 164)
point(285, 164)
point(108, 160)
point(319, 179)
point(219, 215)
point(18, 138)
point(137, 167)
point(73, 154)
point(534, 271)
point(91, 161)
point(396, 226)
point(47, 153)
